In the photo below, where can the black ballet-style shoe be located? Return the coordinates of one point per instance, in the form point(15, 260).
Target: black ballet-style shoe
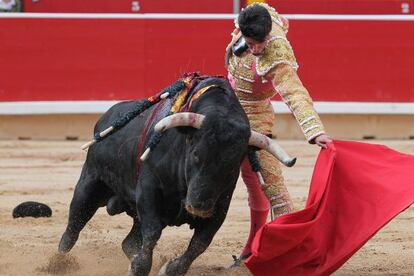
point(238, 261)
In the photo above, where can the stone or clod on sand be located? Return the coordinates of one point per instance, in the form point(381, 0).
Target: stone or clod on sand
point(32, 209)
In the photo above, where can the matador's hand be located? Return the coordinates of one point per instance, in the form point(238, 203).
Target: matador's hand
point(322, 140)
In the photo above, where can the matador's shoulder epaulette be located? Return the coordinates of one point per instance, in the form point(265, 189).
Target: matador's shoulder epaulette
point(278, 51)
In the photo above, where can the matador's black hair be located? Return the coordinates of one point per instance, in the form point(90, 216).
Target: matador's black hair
point(255, 22)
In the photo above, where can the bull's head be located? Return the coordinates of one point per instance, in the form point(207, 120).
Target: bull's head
point(214, 152)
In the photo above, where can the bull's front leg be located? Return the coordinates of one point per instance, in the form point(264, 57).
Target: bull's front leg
point(151, 228)
point(202, 237)
point(141, 263)
point(199, 243)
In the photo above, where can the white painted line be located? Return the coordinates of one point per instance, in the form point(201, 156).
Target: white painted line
point(55, 107)
point(354, 108)
point(94, 107)
point(120, 15)
point(206, 16)
point(351, 17)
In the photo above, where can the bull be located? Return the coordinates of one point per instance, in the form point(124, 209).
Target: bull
point(188, 178)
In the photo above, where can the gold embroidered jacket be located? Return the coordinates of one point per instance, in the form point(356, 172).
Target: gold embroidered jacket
point(257, 79)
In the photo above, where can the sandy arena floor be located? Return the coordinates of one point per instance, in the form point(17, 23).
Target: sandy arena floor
point(48, 171)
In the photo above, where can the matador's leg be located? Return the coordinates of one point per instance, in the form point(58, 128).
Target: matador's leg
point(258, 203)
point(274, 188)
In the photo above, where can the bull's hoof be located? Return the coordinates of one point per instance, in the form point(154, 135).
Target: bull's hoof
point(173, 268)
point(32, 209)
point(140, 265)
point(67, 242)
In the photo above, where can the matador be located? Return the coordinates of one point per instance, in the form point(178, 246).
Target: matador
point(268, 66)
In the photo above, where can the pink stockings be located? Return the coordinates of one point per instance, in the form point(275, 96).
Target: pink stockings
point(258, 202)
point(273, 195)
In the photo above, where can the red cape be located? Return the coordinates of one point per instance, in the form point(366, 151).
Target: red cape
point(356, 189)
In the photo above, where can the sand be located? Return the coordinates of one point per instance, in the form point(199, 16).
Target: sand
point(48, 171)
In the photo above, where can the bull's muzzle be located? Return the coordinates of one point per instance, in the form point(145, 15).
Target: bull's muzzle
point(202, 210)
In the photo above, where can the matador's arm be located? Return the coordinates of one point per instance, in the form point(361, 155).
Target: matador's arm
point(294, 94)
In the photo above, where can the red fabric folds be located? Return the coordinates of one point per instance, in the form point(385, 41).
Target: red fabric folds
point(356, 189)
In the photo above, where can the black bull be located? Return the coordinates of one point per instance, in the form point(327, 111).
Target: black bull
point(189, 178)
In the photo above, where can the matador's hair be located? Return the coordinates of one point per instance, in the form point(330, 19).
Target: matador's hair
point(255, 22)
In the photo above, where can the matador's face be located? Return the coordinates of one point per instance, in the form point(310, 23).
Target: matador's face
point(256, 48)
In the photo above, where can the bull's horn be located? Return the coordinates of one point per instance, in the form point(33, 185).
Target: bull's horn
point(180, 119)
point(263, 142)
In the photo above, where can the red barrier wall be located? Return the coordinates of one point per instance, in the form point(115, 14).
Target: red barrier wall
point(221, 6)
point(130, 6)
point(105, 59)
point(343, 6)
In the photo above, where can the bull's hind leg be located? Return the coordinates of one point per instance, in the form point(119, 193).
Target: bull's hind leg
point(89, 195)
point(133, 241)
